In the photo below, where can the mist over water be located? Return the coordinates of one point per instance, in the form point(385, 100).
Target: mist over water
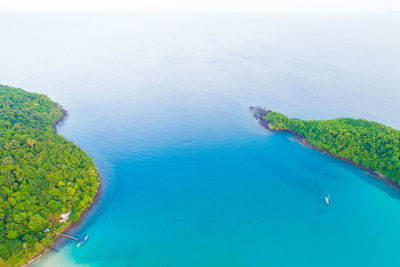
point(189, 178)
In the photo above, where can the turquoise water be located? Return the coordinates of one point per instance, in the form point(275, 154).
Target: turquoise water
point(189, 178)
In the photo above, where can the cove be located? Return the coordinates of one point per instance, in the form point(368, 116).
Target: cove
point(189, 178)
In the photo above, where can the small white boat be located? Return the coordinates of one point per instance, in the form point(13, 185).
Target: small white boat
point(327, 199)
point(82, 240)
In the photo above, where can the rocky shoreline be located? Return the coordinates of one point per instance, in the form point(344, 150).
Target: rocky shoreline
point(60, 119)
point(260, 112)
point(70, 225)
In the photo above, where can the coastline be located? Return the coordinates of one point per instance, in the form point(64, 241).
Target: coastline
point(260, 112)
point(71, 225)
point(60, 119)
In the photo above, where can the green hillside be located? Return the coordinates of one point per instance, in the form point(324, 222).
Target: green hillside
point(42, 175)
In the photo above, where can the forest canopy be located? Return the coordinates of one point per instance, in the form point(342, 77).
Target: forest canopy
point(42, 175)
point(365, 143)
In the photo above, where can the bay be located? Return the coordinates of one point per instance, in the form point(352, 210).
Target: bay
point(189, 178)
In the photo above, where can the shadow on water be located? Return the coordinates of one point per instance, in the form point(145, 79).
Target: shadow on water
point(314, 186)
point(321, 210)
point(366, 177)
point(287, 162)
point(362, 174)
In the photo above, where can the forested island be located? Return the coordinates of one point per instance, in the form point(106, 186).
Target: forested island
point(370, 145)
point(42, 175)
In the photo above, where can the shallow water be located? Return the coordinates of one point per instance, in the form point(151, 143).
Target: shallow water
point(189, 178)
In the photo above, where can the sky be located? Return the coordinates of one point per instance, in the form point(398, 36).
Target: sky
point(259, 6)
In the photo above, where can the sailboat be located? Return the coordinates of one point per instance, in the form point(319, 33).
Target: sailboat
point(327, 199)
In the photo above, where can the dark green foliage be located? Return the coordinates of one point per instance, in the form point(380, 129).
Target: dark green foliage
point(41, 175)
point(365, 143)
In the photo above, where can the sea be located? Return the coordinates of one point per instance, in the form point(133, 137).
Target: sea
point(160, 102)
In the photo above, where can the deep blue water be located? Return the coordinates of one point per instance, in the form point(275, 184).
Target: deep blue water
point(189, 178)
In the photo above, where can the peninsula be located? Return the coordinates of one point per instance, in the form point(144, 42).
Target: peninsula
point(46, 181)
point(366, 144)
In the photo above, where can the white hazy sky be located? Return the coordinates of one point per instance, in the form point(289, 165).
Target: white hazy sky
point(267, 6)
